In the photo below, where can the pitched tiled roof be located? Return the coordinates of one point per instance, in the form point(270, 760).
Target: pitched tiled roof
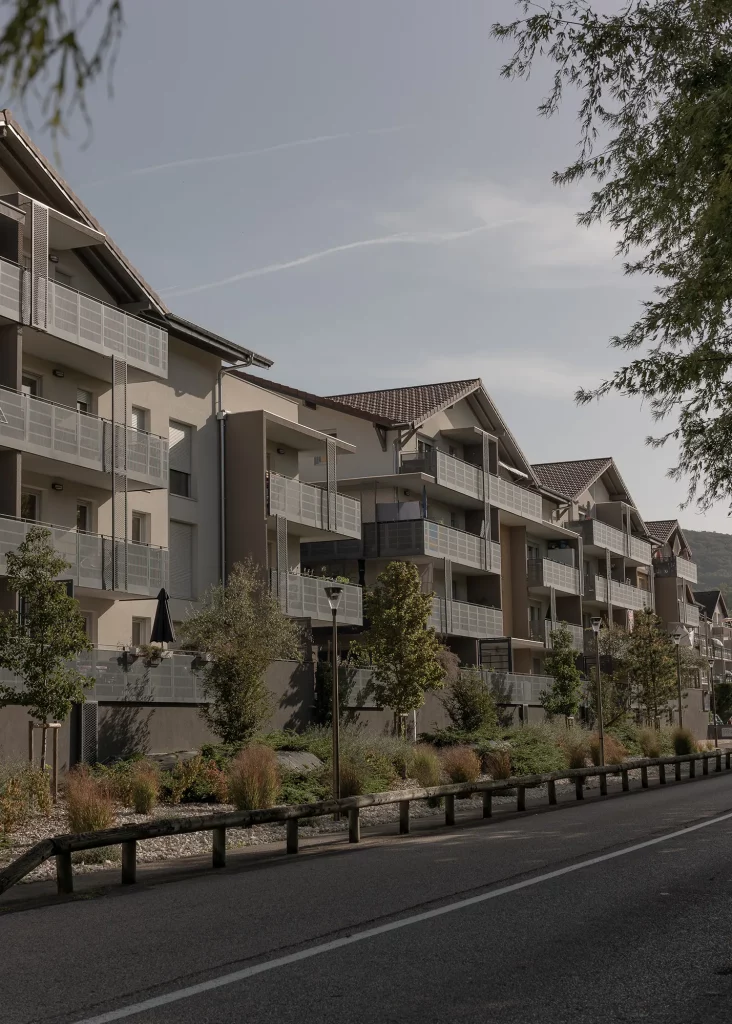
point(707, 599)
point(407, 405)
point(570, 479)
point(661, 529)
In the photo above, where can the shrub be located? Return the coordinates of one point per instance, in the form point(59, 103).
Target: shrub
point(24, 790)
point(145, 788)
point(461, 764)
point(195, 781)
point(534, 751)
point(354, 776)
point(651, 742)
point(628, 734)
point(425, 766)
point(576, 747)
point(615, 752)
point(89, 806)
point(13, 805)
point(470, 704)
point(684, 742)
point(304, 789)
point(497, 762)
point(365, 770)
point(254, 778)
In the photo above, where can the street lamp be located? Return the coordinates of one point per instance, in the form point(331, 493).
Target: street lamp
point(678, 634)
point(715, 643)
point(334, 595)
point(596, 623)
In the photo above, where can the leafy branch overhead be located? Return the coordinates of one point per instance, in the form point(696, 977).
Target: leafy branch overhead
point(655, 115)
point(53, 50)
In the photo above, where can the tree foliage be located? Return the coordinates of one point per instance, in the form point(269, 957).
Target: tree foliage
point(651, 657)
point(54, 49)
point(403, 650)
point(561, 663)
point(615, 680)
point(470, 703)
point(241, 627)
point(655, 86)
point(39, 644)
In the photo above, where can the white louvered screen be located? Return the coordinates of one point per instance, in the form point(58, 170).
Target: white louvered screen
point(180, 543)
point(180, 447)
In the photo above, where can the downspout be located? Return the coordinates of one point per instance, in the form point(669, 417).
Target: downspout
point(221, 417)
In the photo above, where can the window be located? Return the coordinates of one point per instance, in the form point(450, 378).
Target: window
point(83, 517)
point(140, 632)
point(140, 528)
point(180, 544)
point(138, 418)
point(180, 459)
point(29, 506)
point(83, 400)
point(424, 446)
point(30, 385)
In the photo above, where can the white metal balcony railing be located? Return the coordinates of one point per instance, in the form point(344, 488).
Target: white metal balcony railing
point(621, 594)
point(94, 559)
point(675, 565)
point(83, 320)
point(542, 631)
point(690, 615)
point(464, 618)
point(54, 431)
point(308, 504)
point(543, 572)
point(304, 597)
point(424, 537)
point(602, 535)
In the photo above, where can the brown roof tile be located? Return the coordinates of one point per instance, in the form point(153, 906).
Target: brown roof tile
point(570, 479)
point(661, 529)
point(407, 405)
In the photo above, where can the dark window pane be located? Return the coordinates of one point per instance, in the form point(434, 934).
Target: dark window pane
point(180, 483)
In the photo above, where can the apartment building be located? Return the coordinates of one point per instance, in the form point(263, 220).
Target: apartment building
point(674, 574)
point(715, 633)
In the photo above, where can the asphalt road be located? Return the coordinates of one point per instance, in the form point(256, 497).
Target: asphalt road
point(614, 910)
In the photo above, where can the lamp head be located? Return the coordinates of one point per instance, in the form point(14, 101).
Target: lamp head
point(334, 595)
point(596, 622)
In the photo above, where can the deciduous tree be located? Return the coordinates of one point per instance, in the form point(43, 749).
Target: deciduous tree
point(564, 696)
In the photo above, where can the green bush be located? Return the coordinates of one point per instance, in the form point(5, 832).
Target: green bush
point(460, 764)
point(304, 789)
point(24, 790)
point(470, 704)
point(254, 778)
point(628, 733)
point(684, 742)
point(195, 781)
point(145, 789)
point(285, 739)
point(452, 737)
point(425, 766)
point(535, 751)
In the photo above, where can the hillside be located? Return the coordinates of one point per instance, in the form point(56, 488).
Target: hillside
point(713, 555)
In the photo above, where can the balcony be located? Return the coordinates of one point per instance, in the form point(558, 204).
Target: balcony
point(423, 537)
point(33, 425)
point(466, 478)
point(463, 618)
point(676, 566)
point(545, 574)
point(82, 320)
point(690, 615)
point(96, 562)
point(308, 505)
point(304, 597)
point(543, 633)
point(621, 595)
point(600, 535)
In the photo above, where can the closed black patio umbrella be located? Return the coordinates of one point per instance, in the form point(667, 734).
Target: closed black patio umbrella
point(162, 630)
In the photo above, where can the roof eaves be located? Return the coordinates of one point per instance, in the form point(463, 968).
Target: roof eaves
point(214, 343)
point(307, 396)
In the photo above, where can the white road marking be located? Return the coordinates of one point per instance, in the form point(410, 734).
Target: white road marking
point(383, 929)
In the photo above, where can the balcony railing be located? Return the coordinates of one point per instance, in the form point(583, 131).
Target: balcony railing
point(95, 561)
point(690, 615)
point(512, 498)
point(507, 687)
point(543, 632)
point(424, 537)
point(83, 320)
point(676, 566)
point(54, 431)
point(621, 594)
point(308, 504)
point(543, 572)
point(464, 618)
point(304, 597)
point(600, 535)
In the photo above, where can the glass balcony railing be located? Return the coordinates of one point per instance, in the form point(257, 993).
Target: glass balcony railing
point(307, 504)
point(54, 431)
point(95, 561)
point(304, 597)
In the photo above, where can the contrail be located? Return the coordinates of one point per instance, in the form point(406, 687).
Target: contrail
point(403, 238)
point(223, 157)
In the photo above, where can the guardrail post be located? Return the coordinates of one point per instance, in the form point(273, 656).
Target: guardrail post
point(521, 798)
point(626, 781)
point(403, 817)
point(603, 784)
point(450, 809)
point(218, 852)
point(692, 768)
point(644, 776)
point(354, 825)
point(705, 764)
point(579, 787)
point(718, 764)
point(64, 874)
point(662, 774)
point(551, 789)
point(677, 771)
point(129, 862)
point(293, 837)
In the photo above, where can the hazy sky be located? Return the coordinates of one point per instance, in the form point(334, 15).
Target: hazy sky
point(351, 189)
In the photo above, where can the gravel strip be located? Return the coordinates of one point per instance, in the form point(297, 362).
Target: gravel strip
point(171, 847)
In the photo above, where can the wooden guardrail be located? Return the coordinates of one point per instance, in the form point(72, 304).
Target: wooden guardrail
point(127, 836)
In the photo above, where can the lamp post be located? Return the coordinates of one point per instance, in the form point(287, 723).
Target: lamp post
point(714, 696)
point(596, 622)
point(334, 595)
point(677, 636)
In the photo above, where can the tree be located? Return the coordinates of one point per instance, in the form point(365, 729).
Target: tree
point(402, 649)
point(723, 700)
point(564, 696)
point(651, 658)
point(240, 626)
point(62, 43)
point(470, 704)
point(615, 682)
point(38, 644)
point(654, 82)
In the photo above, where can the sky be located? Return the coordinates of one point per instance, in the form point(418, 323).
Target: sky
point(352, 190)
